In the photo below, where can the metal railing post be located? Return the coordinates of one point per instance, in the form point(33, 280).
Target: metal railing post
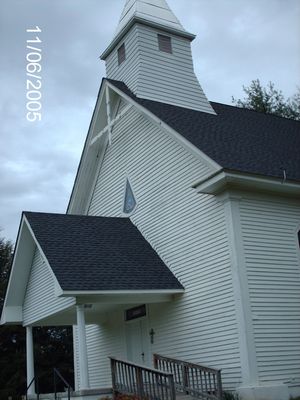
point(57, 373)
point(54, 384)
point(34, 379)
point(37, 388)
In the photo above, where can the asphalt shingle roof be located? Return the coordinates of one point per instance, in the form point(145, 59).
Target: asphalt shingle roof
point(236, 138)
point(99, 253)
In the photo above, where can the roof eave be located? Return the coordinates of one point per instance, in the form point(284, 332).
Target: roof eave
point(143, 21)
point(224, 180)
point(12, 312)
point(16, 287)
point(12, 315)
point(76, 293)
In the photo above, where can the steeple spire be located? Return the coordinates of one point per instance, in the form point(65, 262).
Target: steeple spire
point(155, 11)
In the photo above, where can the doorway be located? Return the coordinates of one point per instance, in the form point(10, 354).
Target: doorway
point(137, 341)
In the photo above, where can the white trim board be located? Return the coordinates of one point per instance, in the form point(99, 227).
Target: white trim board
point(76, 201)
point(172, 132)
point(223, 180)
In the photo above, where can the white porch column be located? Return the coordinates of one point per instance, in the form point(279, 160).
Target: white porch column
point(83, 360)
point(30, 359)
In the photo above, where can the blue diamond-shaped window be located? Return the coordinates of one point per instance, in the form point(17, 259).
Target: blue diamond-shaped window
point(129, 201)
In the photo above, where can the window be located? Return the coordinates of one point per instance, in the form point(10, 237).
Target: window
point(121, 54)
point(129, 201)
point(164, 43)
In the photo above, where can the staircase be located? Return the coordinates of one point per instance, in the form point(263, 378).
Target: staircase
point(171, 379)
point(56, 395)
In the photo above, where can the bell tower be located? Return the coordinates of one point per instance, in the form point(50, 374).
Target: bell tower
point(151, 53)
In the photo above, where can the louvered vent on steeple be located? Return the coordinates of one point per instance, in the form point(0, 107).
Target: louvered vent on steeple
point(164, 43)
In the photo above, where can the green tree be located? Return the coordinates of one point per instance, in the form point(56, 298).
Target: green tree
point(12, 338)
point(6, 249)
point(269, 100)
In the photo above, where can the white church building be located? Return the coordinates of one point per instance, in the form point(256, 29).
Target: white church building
point(181, 236)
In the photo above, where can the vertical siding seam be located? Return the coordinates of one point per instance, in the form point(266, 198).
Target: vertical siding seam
point(273, 267)
point(75, 359)
point(241, 293)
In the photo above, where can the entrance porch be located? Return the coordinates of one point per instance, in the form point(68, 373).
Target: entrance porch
point(94, 318)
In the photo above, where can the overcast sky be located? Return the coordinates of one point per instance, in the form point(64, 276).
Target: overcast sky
point(237, 41)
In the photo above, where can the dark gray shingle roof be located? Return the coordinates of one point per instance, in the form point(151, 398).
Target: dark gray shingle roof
point(99, 253)
point(236, 138)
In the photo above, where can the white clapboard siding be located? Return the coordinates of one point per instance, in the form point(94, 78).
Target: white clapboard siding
point(129, 69)
point(40, 300)
point(103, 341)
point(272, 259)
point(156, 75)
point(188, 232)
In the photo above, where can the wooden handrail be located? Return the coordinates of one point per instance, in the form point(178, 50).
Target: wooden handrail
point(140, 381)
point(190, 378)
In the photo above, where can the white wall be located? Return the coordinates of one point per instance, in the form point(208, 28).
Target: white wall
point(156, 75)
point(269, 229)
point(103, 341)
point(188, 232)
point(40, 300)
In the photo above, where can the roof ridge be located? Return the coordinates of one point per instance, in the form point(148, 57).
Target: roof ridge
point(236, 138)
point(256, 111)
point(197, 111)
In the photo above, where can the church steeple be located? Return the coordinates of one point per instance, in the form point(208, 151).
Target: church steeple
point(151, 53)
point(153, 11)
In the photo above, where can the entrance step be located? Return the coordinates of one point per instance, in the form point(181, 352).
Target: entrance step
point(90, 394)
point(182, 396)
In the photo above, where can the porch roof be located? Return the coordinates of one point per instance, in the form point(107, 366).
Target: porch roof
point(88, 253)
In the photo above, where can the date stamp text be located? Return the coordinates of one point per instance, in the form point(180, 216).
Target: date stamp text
point(34, 75)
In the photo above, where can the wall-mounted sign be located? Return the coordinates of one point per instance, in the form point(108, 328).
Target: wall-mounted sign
point(135, 312)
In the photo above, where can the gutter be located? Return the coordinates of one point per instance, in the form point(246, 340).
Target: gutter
point(223, 180)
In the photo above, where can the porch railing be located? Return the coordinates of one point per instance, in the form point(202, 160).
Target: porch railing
point(140, 381)
point(35, 380)
point(193, 379)
point(57, 374)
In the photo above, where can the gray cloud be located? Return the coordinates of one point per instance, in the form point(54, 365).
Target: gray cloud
point(237, 41)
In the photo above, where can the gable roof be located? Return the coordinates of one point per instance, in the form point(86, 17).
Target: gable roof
point(88, 253)
point(236, 138)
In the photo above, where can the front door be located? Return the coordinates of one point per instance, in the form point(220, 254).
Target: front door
point(137, 340)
